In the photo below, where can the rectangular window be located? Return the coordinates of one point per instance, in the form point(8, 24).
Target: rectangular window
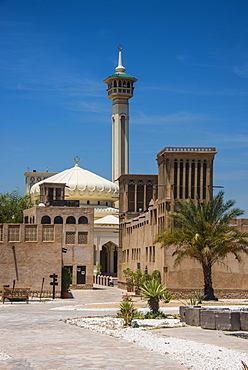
point(150, 254)
point(131, 196)
point(193, 180)
point(149, 191)
point(199, 179)
point(70, 237)
point(58, 194)
point(175, 179)
point(82, 237)
point(48, 233)
point(31, 233)
point(140, 196)
point(204, 180)
point(13, 235)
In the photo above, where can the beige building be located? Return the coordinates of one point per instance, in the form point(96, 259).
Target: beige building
point(51, 237)
point(144, 204)
point(33, 177)
point(75, 224)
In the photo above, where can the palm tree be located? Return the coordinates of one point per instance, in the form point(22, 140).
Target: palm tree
point(202, 232)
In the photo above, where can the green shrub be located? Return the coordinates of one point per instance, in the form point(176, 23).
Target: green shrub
point(155, 315)
point(129, 276)
point(153, 292)
point(66, 279)
point(126, 312)
point(167, 296)
point(156, 276)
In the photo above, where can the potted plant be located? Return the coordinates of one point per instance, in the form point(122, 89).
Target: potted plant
point(129, 276)
point(66, 282)
point(137, 281)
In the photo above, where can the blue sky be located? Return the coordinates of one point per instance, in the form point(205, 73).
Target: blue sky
point(191, 61)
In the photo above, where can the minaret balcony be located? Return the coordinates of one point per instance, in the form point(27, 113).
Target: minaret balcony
point(121, 91)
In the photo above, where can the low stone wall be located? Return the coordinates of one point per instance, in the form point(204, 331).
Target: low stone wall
point(219, 293)
point(182, 294)
point(215, 319)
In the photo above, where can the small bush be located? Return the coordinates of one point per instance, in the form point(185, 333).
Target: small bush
point(126, 312)
point(155, 315)
point(167, 296)
point(127, 297)
point(196, 299)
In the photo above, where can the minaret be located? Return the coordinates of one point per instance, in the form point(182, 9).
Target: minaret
point(120, 90)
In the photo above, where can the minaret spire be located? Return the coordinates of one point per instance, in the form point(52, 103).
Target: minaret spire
point(120, 67)
point(120, 90)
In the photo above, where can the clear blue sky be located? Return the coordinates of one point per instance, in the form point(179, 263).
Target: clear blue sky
point(191, 61)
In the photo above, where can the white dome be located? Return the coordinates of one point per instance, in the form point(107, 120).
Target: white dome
point(107, 220)
point(82, 185)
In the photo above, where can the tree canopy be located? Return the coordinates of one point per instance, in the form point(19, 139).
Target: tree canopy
point(202, 232)
point(12, 206)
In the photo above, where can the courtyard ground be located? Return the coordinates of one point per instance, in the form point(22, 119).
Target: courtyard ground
point(35, 336)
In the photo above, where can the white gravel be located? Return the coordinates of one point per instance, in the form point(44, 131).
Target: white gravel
point(192, 355)
point(4, 356)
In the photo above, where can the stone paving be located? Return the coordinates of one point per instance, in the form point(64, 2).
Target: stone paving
point(34, 336)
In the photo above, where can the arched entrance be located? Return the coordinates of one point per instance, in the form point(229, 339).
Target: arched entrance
point(109, 259)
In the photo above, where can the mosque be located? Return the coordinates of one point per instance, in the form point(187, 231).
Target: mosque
point(83, 220)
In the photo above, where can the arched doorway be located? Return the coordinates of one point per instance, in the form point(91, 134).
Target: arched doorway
point(109, 259)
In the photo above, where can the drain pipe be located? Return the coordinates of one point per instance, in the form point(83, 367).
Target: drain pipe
point(14, 252)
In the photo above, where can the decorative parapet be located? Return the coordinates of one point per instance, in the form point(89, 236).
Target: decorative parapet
point(187, 149)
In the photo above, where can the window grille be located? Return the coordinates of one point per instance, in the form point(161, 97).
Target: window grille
point(82, 237)
point(31, 233)
point(14, 233)
point(48, 233)
point(70, 237)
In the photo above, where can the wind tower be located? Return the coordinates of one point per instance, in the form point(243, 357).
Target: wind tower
point(120, 90)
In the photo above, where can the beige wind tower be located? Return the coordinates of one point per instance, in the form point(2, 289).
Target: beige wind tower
point(120, 90)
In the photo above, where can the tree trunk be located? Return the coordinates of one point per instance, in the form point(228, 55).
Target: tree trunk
point(153, 304)
point(208, 288)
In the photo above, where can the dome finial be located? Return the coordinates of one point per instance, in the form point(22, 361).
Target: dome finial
point(76, 159)
point(120, 67)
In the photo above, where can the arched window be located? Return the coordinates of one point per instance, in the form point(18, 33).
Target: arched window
point(70, 220)
point(115, 84)
point(46, 220)
point(119, 83)
point(58, 220)
point(83, 220)
point(128, 84)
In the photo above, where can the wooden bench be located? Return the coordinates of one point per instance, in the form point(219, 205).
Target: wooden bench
point(15, 294)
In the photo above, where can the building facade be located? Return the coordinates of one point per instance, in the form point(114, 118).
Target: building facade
point(50, 238)
point(144, 205)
